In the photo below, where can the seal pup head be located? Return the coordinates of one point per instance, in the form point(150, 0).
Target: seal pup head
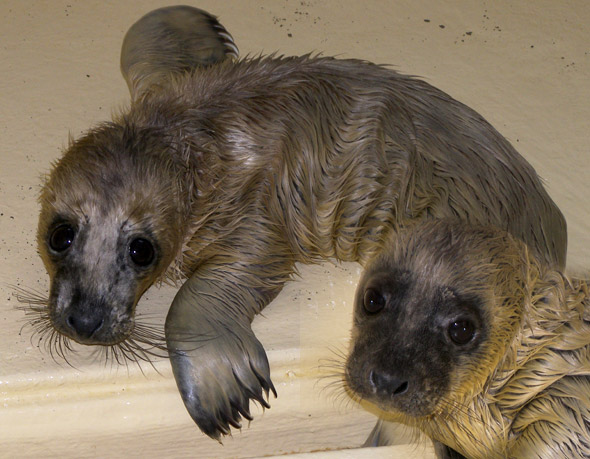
point(116, 206)
point(434, 314)
point(111, 223)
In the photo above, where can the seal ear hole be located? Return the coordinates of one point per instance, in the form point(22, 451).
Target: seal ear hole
point(462, 331)
point(373, 301)
point(62, 237)
point(141, 252)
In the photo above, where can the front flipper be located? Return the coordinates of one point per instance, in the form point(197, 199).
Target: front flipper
point(218, 363)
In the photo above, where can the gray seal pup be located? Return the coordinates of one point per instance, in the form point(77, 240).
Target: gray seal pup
point(227, 175)
point(466, 334)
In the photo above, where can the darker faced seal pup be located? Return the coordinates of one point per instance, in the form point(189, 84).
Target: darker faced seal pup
point(465, 333)
point(229, 173)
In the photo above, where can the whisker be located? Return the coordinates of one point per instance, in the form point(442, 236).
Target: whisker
point(29, 296)
point(333, 381)
point(145, 343)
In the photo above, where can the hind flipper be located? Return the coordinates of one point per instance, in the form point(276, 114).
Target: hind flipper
point(171, 40)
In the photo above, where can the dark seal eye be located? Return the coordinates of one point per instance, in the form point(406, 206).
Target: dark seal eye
point(461, 331)
point(62, 238)
point(141, 251)
point(373, 301)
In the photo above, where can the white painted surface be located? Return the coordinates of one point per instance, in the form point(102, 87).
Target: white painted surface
point(524, 65)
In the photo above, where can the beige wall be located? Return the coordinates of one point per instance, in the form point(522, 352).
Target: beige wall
point(524, 65)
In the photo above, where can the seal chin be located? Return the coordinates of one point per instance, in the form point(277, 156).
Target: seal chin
point(410, 406)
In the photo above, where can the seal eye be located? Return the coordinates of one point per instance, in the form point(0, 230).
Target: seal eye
point(141, 251)
point(373, 301)
point(461, 331)
point(62, 238)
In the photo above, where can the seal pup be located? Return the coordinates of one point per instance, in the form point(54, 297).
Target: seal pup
point(466, 334)
point(228, 175)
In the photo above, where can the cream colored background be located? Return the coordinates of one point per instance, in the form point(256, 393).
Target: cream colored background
point(524, 65)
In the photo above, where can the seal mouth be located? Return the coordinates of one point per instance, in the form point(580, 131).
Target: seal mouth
point(92, 323)
point(91, 337)
point(138, 342)
point(393, 392)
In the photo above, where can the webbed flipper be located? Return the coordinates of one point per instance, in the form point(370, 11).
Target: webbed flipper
point(170, 40)
point(218, 362)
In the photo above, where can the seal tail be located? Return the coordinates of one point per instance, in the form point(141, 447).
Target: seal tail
point(172, 40)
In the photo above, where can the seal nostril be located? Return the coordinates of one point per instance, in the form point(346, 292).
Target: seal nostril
point(385, 382)
point(84, 326)
point(401, 388)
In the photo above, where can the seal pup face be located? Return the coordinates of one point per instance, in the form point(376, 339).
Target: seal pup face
point(433, 319)
point(110, 225)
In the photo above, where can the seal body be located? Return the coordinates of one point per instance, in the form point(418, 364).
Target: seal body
point(228, 175)
point(464, 333)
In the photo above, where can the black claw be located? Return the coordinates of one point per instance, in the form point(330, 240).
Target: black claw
point(263, 402)
point(234, 423)
point(223, 427)
point(236, 418)
point(243, 408)
point(241, 404)
point(245, 411)
point(213, 430)
point(229, 416)
point(257, 396)
point(272, 388)
point(266, 384)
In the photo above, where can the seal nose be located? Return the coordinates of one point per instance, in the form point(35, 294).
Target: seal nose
point(384, 382)
point(84, 325)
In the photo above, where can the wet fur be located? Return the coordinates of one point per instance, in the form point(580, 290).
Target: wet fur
point(237, 171)
point(521, 389)
point(173, 39)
